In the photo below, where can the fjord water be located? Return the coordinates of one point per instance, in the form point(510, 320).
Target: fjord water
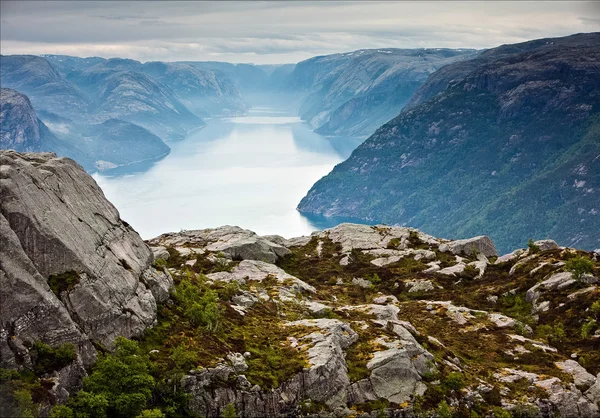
point(249, 171)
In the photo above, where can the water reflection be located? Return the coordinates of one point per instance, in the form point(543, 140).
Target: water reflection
point(249, 171)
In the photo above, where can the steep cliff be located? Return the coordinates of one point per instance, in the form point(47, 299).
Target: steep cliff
point(509, 148)
point(71, 270)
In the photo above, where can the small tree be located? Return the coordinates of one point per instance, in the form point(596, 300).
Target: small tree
point(119, 386)
point(533, 249)
point(229, 411)
point(579, 266)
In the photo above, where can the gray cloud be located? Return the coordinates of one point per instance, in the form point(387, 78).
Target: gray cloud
point(275, 32)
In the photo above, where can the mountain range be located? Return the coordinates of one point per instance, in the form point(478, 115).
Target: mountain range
point(354, 93)
point(506, 144)
point(341, 94)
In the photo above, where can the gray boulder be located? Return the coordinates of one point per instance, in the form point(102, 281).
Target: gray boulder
point(233, 241)
point(482, 244)
point(546, 244)
point(58, 228)
point(160, 253)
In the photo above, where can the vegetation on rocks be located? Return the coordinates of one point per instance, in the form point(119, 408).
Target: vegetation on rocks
point(487, 337)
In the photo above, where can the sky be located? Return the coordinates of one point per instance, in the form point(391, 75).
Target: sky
point(277, 32)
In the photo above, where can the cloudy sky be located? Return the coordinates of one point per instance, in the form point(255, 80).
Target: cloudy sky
point(277, 32)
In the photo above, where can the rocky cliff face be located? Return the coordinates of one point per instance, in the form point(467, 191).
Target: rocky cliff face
point(354, 93)
point(19, 125)
point(504, 144)
point(71, 270)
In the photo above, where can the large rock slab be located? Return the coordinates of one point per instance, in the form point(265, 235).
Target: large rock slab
point(233, 241)
point(481, 244)
point(324, 380)
point(56, 221)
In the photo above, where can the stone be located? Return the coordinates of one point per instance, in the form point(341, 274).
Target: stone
point(253, 270)
point(569, 402)
point(160, 253)
point(546, 244)
point(383, 300)
point(492, 299)
point(593, 393)
point(63, 224)
point(453, 270)
point(510, 256)
point(233, 241)
point(316, 307)
point(583, 379)
point(238, 362)
point(482, 244)
point(556, 281)
point(359, 281)
point(246, 299)
point(56, 223)
point(419, 285)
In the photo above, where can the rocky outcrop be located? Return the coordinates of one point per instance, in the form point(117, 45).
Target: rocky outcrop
point(482, 244)
point(235, 242)
point(72, 270)
point(19, 125)
point(324, 380)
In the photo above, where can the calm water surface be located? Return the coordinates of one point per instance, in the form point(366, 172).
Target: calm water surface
point(249, 171)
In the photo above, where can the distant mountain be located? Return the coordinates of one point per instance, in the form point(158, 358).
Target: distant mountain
point(20, 129)
point(138, 98)
point(208, 93)
point(100, 146)
point(506, 144)
point(354, 93)
point(249, 78)
point(47, 89)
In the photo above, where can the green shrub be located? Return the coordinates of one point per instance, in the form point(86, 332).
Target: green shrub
point(453, 381)
point(595, 308)
point(393, 243)
point(62, 411)
point(579, 266)
point(374, 279)
point(183, 357)
point(501, 413)
point(229, 411)
point(588, 328)
point(200, 305)
point(552, 334)
point(89, 405)
point(120, 384)
point(25, 406)
point(50, 359)
point(533, 249)
point(151, 413)
point(443, 410)
point(63, 282)
point(525, 411)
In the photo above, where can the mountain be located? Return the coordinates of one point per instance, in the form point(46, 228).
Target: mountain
point(39, 80)
point(506, 144)
point(140, 99)
point(20, 129)
point(355, 320)
point(205, 92)
point(98, 146)
point(354, 93)
point(248, 78)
